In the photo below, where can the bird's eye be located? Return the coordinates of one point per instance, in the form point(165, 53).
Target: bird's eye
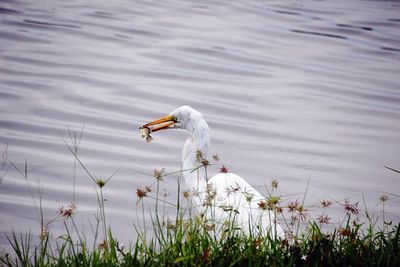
point(174, 119)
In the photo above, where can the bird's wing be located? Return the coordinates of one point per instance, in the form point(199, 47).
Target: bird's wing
point(235, 191)
point(235, 198)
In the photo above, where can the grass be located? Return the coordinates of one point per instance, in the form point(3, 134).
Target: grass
point(187, 239)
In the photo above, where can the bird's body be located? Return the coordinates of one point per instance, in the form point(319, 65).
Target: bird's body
point(225, 196)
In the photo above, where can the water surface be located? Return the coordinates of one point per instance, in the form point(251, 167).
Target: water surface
point(293, 91)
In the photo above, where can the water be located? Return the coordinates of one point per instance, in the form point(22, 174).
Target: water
point(292, 91)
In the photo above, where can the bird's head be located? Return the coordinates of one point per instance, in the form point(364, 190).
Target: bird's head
point(179, 118)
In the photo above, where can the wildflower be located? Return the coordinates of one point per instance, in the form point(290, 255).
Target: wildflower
point(326, 203)
point(383, 198)
point(345, 232)
point(262, 205)
point(200, 158)
point(273, 201)
point(199, 155)
point(304, 257)
point(350, 208)
point(223, 169)
point(274, 183)
point(215, 157)
point(158, 174)
point(303, 215)
point(279, 209)
point(301, 209)
point(103, 245)
point(248, 196)
point(186, 194)
point(67, 212)
point(205, 162)
point(101, 182)
point(141, 193)
point(323, 219)
point(293, 206)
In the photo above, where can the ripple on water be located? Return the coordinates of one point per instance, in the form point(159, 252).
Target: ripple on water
point(290, 90)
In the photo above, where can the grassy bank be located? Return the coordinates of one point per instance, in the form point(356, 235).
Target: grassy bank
point(188, 239)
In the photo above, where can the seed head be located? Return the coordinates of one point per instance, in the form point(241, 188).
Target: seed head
point(350, 207)
point(262, 205)
point(215, 157)
point(300, 209)
point(383, 198)
point(199, 155)
point(186, 194)
point(326, 203)
point(274, 183)
point(141, 193)
point(248, 197)
point(345, 232)
point(103, 245)
point(205, 162)
point(323, 219)
point(158, 174)
point(293, 206)
point(101, 182)
point(68, 211)
point(302, 212)
point(223, 169)
point(273, 200)
point(279, 209)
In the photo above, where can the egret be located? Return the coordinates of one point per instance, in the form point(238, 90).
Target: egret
point(223, 196)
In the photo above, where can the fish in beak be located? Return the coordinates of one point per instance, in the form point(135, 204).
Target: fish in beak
point(166, 122)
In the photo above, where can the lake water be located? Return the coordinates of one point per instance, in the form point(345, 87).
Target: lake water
point(295, 91)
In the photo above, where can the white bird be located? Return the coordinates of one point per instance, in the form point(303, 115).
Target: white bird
point(225, 196)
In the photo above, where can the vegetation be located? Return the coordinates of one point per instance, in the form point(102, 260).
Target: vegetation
point(188, 239)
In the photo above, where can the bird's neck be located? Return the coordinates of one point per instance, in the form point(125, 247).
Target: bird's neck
point(196, 147)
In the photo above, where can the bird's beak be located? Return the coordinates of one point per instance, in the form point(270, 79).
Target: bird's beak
point(161, 124)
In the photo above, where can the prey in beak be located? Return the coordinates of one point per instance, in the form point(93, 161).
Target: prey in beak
point(166, 122)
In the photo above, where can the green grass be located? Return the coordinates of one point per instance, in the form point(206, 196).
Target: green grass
point(187, 239)
point(189, 244)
